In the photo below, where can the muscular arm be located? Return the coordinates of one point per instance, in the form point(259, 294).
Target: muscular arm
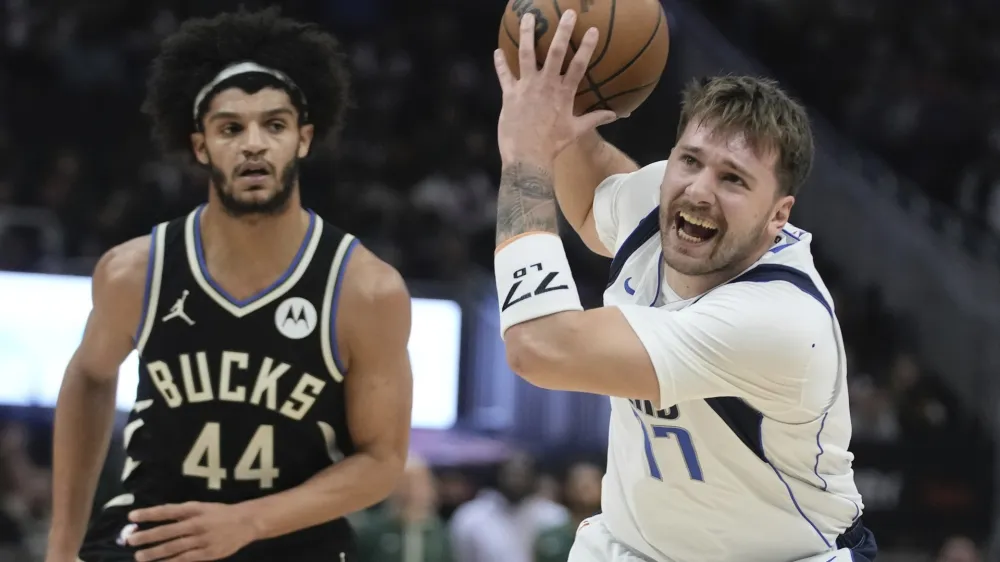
point(763, 342)
point(593, 351)
point(579, 170)
point(374, 319)
point(86, 406)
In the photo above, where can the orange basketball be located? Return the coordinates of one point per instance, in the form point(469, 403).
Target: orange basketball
point(630, 55)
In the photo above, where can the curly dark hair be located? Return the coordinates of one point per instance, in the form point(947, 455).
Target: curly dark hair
point(190, 58)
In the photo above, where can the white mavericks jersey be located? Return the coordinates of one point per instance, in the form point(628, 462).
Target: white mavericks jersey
point(746, 460)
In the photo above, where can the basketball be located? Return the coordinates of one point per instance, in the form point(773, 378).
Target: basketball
point(630, 56)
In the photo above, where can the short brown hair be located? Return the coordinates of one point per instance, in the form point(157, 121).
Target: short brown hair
point(759, 109)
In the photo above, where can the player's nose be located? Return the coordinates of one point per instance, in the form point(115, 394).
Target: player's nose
point(701, 189)
point(254, 140)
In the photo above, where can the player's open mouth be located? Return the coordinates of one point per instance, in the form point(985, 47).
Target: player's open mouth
point(694, 229)
point(254, 172)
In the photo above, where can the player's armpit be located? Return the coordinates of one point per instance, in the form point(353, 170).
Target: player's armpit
point(373, 323)
point(593, 351)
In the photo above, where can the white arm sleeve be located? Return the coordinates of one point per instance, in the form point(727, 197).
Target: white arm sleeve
point(622, 200)
point(768, 343)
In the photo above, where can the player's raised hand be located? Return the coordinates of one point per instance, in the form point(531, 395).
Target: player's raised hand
point(190, 532)
point(537, 119)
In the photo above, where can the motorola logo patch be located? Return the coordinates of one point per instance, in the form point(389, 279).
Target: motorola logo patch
point(295, 318)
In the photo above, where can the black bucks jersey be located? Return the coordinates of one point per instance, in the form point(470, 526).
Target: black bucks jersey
point(237, 399)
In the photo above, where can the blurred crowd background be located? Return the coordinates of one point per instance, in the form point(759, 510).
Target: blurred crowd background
point(908, 113)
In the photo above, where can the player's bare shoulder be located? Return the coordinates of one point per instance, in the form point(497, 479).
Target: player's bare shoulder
point(374, 300)
point(118, 288)
point(371, 282)
point(119, 279)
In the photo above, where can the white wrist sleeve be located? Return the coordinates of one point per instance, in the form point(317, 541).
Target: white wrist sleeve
point(533, 279)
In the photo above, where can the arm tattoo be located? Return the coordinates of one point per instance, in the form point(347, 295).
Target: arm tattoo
point(527, 201)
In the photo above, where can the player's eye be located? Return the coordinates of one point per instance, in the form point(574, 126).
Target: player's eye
point(688, 160)
point(276, 126)
point(733, 178)
point(230, 129)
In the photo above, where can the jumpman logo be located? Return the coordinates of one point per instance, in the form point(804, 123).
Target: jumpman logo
point(177, 310)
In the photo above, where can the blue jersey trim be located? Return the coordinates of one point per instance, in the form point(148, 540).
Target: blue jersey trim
point(819, 444)
point(791, 494)
point(200, 251)
point(646, 229)
point(659, 278)
point(333, 308)
point(149, 286)
point(743, 420)
point(776, 272)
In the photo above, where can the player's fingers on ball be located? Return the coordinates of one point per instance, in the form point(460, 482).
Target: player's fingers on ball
point(578, 66)
point(526, 47)
point(560, 43)
point(504, 75)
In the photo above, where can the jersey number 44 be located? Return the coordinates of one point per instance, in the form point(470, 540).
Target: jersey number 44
point(256, 463)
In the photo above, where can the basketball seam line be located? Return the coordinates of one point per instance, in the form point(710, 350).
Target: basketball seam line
point(591, 86)
point(509, 35)
point(624, 93)
point(626, 66)
point(607, 40)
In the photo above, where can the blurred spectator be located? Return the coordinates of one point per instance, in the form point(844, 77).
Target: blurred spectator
point(454, 490)
point(24, 510)
point(583, 498)
point(925, 406)
point(407, 528)
point(959, 549)
point(548, 487)
point(502, 524)
point(873, 415)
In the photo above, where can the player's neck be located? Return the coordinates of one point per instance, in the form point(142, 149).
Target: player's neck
point(256, 246)
point(690, 286)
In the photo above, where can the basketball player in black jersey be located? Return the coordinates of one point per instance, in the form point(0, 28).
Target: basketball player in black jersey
point(275, 388)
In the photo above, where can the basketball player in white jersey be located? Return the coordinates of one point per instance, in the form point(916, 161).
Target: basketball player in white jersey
point(718, 343)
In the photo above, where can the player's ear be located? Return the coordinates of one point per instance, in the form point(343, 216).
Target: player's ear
point(782, 212)
point(305, 139)
point(198, 147)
